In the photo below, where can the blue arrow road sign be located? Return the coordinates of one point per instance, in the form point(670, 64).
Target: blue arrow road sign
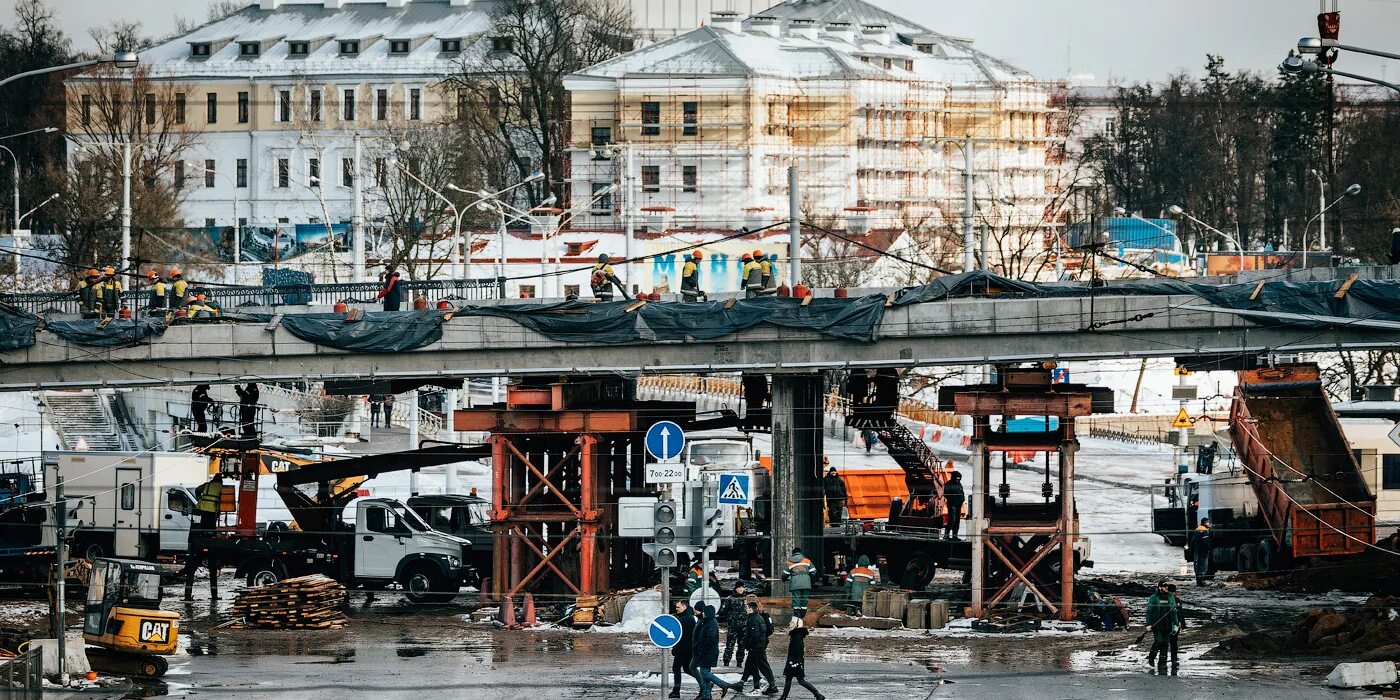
point(734, 490)
point(665, 440)
point(665, 631)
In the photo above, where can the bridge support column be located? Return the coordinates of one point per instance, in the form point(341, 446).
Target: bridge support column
point(797, 461)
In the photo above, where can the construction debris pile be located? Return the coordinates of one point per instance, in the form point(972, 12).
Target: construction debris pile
point(1371, 632)
point(305, 602)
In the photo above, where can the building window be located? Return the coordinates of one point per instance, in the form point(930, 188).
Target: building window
point(242, 108)
point(527, 291)
point(179, 108)
point(349, 105)
point(398, 46)
point(315, 106)
point(651, 119)
point(451, 46)
point(211, 108)
point(887, 63)
point(381, 172)
point(249, 49)
point(651, 178)
point(284, 173)
point(200, 50)
point(415, 104)
point(493, 99)
point(1390, 472)
point(502, 43)
point(313, 172)
point(463, 104)
point(690, 176)
point(908, 64)
point(602, 135)
point(347, 172)
point(571, 290)
point(349, 48)
point(602, 203)
point(283, 220)
point(209, 173)
point(381, 104)
point(298, 48)
point(284, 105)
point(150, 108)
point(241, 173)
point(1110, 127)
point(690, 118)
point(87, 110)
point(179, 174)
point(208, 223)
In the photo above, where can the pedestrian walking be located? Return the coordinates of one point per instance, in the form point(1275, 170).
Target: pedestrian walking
point(690, 278)
point(392, 291)
point(835, 491)
point(869, 437)
point(208, 496)
point(376, 407)
point(858, 581)
point(1161, 619)
point(1201, 546)
point(705, 654)
point(603, 280)
point(954, 497)
point(736, 616)
point(389, 410)
point(796, 667)
point(199, 407)
point(799, 573)
point(1180, 622)
point(248, 395)
point(684, 650)
point(759, 627)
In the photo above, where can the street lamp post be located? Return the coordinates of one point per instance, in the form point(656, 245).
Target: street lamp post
point(1176, 209)
point(19, 221)
point(120, 59)
point(15, 161)
point(1351, 190)
point(484, 196)
point(1295, 63)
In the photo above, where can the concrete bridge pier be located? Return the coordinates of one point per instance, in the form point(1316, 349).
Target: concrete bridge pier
point(798, 410)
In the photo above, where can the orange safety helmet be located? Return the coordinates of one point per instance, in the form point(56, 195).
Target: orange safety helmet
point(200, 297)
point(92, 272)
point(151, 274)
point(697, 255)
point(109, 270)
point(174, 271)
point(746, 257)
point(757, 254)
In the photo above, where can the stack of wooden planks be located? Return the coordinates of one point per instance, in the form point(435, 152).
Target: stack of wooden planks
point(305, 602)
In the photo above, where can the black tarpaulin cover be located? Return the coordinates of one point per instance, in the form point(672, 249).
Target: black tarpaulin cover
point(16, 328)
point(569, 321)
point(381, 331)
point(116, 333)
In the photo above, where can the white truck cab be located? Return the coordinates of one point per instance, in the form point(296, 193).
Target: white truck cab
point(393, 544)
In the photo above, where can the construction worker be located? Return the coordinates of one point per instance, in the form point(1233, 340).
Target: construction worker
point(1180, 622)
point(859, 580)
point(207, 512)
point(603, 280)
point(177, 288)
point(750, 276)
point(160, 299)
point(198, 307)
point(247, 409)
point(392, 291)
point(1161, 618)
point(690, 278)
point(955, 497)
point(199, 407)
point(110, 290)
point(765, 271)
point(835, 491)
point(89, 305)
point(694, 578)
point(799, 573)
point(1201, 545)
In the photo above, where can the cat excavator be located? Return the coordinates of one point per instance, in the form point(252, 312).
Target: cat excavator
point(126, 631)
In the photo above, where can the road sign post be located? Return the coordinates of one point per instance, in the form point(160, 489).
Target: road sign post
point(665, 629)
point(665, 440)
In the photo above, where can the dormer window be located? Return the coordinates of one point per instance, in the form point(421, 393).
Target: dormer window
point(451, 46)
point(298, 48)
point(349, 48)
point(502, 43)
point(399, 46)
point(201, 50)
point(249, 48)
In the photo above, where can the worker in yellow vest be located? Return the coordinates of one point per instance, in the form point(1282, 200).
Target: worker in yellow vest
point(690, 278)
point(206, 511)
point(160, 293)
point(110, 291)
point(750, 276)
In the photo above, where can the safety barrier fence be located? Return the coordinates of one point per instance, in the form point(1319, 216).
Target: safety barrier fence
point(23, 672)
point(1146, 428)
point(236, 296)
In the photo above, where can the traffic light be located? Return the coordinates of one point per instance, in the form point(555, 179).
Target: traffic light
point(663, 533)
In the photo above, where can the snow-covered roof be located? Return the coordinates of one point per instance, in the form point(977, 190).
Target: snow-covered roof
point(375, 24)
point(768, 45)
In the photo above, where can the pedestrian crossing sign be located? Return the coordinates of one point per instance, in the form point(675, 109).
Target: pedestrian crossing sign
point(734, 489)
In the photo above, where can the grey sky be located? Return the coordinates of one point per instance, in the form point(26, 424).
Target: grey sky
point(1131, 40)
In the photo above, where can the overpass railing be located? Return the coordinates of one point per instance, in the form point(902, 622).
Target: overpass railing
point(235, 296)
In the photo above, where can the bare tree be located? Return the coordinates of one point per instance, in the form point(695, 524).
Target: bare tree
point(512, 104)
point(1346, 374)
point(416, 219)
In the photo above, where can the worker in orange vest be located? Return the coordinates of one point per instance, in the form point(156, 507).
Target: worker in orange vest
point(860, 578)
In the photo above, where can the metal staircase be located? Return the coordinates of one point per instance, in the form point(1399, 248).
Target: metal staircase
point(87, 416)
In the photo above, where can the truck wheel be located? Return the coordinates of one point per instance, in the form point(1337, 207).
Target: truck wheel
point(1245, 558)
point(1264, 557)
point(264, 575)
point(423, 584)
point(94, 550)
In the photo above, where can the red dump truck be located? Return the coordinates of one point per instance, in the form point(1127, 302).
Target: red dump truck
point(1313, 499)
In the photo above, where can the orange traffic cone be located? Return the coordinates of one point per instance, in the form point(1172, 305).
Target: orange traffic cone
point(529, 611)
point(508, 613)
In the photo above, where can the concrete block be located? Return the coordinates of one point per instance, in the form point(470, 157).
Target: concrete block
point(1360, 675)
point(75, 661)
point(899, 601)
point(938, 614)
point(916, 614)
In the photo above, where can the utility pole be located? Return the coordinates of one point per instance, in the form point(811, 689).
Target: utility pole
point(60, 519)
point(126, 206)
point(968, 264)
point(357, 226)
point(794, 228)
point(628, 218)
point(665, 610)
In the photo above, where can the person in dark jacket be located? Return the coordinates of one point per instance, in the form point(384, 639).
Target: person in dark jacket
point(247, 409)
point(705, 654)
point(795, 668)
point(1202, 542)
point(756, 643)
point(392, 292)
point(1180, 622)
point(955, 498)
point(199, 407)
point(835, 490)
point(682, 652)
point(736, 618)
point(1161, 619)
